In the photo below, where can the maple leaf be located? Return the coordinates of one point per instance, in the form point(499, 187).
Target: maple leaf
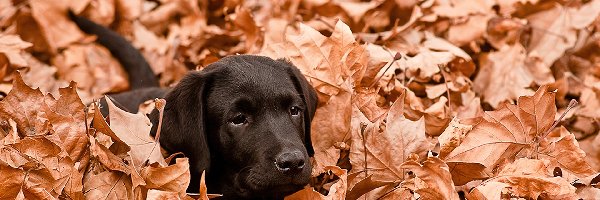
point(25, 106)
point(47, 169)
point(503, 133)
point(11, 46)
point(435, 176)
point(134, 130)
point(107, 158)
point(502, 79)
point(66, 114)
point(319, 58)
point(174, 177)
point(380, 147)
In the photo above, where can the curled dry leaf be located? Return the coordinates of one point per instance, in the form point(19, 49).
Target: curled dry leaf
point(555, 30)
point(337, 190)
point(49, 20)
point(529, 178)
point(134, 130)
point(11, 47)
point(436, 177)
point(174, 177)
point(563, 151)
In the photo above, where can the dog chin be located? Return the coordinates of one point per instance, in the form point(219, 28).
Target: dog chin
point(267, 186)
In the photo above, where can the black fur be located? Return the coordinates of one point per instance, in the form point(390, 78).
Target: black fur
point(244, 119)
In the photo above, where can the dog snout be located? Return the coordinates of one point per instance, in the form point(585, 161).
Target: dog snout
point(290, 162)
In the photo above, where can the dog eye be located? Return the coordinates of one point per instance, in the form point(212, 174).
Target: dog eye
point(295, 110)
point(239, 120)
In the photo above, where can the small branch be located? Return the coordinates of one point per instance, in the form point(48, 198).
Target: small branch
point(398, 56)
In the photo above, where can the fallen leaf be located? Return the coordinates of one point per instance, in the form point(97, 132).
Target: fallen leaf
point(174, 177)
point(529, 179)
point(505, 132)
point(337, 191)
point(25, 105)
point(437, 178)
point(11, 46)
point(502, 79)
point(134, 130)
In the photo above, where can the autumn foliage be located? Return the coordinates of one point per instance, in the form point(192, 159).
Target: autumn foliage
point(434, 99)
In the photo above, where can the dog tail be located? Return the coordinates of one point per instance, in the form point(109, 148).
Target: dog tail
point(136, 66)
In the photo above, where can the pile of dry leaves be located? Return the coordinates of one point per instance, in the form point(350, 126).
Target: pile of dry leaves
point(433, 99)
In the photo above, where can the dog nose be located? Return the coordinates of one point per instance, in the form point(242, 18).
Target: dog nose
point(290, 162)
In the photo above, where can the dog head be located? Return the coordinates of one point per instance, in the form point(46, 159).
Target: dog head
point(246, 120)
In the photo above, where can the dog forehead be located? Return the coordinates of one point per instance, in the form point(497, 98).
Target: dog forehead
point(260, 78)
point(256, 74)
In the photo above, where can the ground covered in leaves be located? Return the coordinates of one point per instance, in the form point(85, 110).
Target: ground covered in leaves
point(432, 99)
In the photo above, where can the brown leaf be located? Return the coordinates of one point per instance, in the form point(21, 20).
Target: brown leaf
point(66, 114)
point(244, 20)
point(48, 168)
point(203, 192)
point(134, 130)
point(529, 178)
point(92, 67)
point(25, 105)
point(317, 56)
point(556, 29)
point(175, 178)
point(379, 148)
point(452, 136)
point(165, 195)
point(563, 151)
point(107, 185)
point(364, 186)
point(11, 46)
point(337, 190)
point(107, 158)
point(489, 190)
point(325, 134)
point(11, 181)
point(503, 133)
point(55, 27)
point(436, 176)
point(502, 79)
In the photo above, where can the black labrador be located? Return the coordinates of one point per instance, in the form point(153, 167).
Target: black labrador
point(244, 119)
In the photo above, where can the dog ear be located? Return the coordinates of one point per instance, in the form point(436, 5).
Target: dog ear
point(183, 126)
point(310, 99)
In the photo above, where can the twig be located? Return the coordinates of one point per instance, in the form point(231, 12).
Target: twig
point(441, 66)
point(398, 56)
point(160, 106)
